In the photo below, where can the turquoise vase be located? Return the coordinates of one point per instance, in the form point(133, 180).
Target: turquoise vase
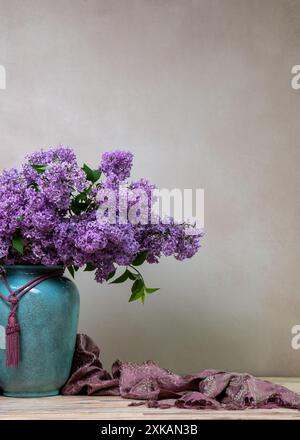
point(48, 317)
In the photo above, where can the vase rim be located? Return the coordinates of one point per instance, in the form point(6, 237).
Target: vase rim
point(34, 267)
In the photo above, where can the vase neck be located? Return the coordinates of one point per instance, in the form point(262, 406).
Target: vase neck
point(31, 269)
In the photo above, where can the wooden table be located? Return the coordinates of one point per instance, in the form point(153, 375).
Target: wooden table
point(115, 408)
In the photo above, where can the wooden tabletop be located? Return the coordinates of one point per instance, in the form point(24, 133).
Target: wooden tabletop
point(116, 408)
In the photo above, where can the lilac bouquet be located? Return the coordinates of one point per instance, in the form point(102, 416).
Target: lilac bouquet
point(48, 216)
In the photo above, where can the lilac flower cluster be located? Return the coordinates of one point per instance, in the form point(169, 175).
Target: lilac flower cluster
point(48, 216)
point(116, 165)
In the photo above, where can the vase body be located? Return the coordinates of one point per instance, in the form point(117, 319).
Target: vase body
point(48, 317)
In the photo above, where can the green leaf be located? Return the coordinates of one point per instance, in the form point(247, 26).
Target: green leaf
point(72, 271)
point(91, 175)
point(151, 290)
point(112, 274)
point(40, 168)
point(34, 186)
point(81, 197)
point(137, 286)
point(140, 258)
point(138, 291)
point(18, 244)
point(121, 278)
point(138, 295)
point(89, 267)
point(133, 276)
point(80, 203)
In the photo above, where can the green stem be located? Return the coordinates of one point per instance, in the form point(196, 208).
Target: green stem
point(137, 271)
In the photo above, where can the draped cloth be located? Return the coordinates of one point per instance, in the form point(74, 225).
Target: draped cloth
point(149, 384)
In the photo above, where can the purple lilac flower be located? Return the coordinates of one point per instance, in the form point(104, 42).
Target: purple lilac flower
point(37, 204)
point(116, 165)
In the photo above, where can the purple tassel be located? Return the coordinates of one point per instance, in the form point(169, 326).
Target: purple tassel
point(13, 329)
point(12, 340)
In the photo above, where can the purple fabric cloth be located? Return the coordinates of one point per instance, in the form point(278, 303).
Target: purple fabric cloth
point(157, 387)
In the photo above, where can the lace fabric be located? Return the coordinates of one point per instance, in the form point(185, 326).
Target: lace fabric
point(160, 388)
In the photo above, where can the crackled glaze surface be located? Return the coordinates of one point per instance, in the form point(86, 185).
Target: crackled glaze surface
point(48, 316)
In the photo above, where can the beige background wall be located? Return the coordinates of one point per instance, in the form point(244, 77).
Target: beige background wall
point(200, 91)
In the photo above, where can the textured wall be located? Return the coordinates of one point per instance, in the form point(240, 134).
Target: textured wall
point(200, 91)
